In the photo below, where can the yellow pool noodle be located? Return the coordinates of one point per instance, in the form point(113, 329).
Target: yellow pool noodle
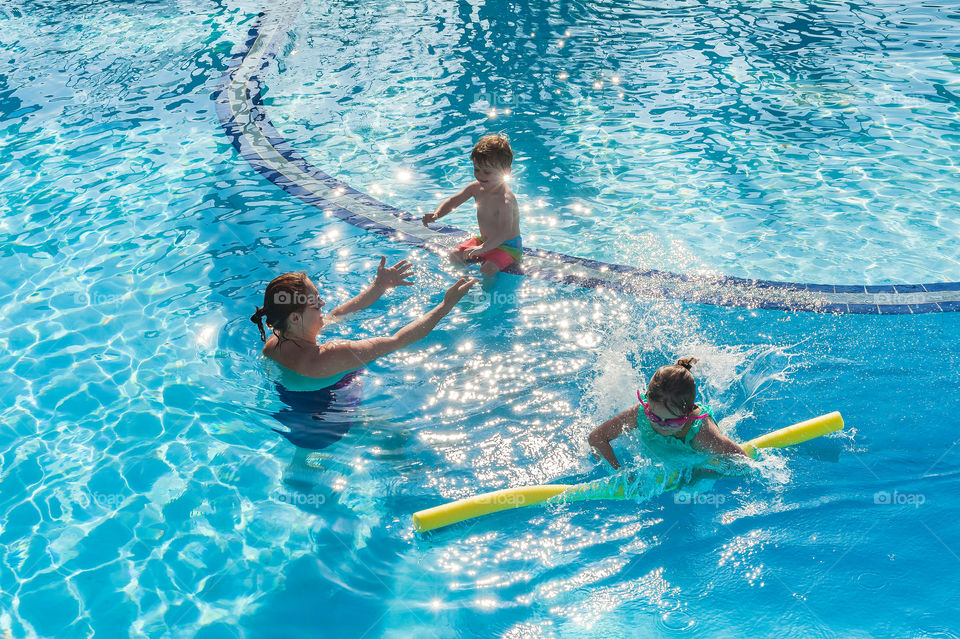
point(507, 498)
point(484, 504)
point(804, 431)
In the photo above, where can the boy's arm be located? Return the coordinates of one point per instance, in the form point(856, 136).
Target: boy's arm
point(450, 203)
point(611, 429)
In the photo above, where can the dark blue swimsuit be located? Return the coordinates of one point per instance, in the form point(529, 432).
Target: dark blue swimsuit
point(315, 419)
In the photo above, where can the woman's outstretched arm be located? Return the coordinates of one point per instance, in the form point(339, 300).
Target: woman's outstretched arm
point(609, 430)
point(336, 357)
point(386, 279)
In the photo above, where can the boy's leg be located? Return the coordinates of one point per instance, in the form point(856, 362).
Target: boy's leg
point(456, 256)
point(489, 268)
point(495, 261)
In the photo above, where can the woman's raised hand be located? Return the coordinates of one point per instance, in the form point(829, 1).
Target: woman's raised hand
point(456, 292)
point(396, 275)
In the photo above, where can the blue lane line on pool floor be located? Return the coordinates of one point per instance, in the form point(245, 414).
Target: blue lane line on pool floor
point(243, 116)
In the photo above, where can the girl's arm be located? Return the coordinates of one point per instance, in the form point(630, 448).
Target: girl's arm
point(611, 429)
point(710, 439)
point(385, 279)
point(336, 357)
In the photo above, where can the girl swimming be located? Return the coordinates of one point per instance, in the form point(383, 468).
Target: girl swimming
point(669, 410)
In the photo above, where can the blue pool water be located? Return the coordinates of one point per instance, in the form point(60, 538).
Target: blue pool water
point(142, 489)
point(685, 136)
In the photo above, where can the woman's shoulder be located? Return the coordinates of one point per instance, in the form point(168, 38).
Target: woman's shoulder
point(293, 380)
point(286, 355)
point(273, 351)
point(283, 353)
point(328, 361)
point(269, 346)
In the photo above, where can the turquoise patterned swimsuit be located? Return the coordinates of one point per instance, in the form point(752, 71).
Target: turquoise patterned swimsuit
point(644, 425)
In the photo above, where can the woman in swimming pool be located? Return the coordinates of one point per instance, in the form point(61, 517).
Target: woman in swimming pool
point(670, 410)
point(320, 416)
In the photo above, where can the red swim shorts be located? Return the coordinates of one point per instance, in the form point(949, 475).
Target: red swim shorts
point(503, 256)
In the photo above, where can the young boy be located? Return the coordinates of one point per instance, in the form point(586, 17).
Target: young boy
point(498, 215)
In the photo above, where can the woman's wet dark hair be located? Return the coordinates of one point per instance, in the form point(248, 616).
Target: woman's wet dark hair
point(285, 294)
point(674, 386)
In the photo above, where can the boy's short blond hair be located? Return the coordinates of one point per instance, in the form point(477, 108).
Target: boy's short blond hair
point(493, 151)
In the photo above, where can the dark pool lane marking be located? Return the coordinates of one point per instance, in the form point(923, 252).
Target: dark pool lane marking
point(242, 114)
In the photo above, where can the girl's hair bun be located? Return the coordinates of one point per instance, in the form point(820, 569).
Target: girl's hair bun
point(686, 362)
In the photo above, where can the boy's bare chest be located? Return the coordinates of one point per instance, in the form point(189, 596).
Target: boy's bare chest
point(490, 206)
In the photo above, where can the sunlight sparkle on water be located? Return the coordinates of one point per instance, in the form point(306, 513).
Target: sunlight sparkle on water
point(326, 238)
point(487, 603)
point(206, 335)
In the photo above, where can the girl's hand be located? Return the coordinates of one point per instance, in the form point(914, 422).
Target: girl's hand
point(429, 218)
point(456, 292)
point(396, 275)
